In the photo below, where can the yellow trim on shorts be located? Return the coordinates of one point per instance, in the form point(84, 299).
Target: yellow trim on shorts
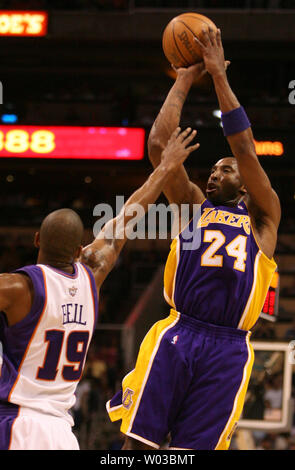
point(170, 272)
point(145, 441)
point(115, 412)
point(136, 380)
point(225, 438)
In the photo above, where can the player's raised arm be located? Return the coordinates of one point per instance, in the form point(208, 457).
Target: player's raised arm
point(264, 205)
point(103, 252)
point(179, 189)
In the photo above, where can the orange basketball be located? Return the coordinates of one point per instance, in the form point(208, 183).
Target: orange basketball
point(178, 42)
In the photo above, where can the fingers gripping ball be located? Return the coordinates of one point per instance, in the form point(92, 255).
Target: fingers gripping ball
point(179, 45)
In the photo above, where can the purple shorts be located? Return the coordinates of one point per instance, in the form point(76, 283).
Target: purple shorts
point(8, 414)
point(190, 381)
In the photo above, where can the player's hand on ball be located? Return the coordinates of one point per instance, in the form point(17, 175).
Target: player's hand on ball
point(213, 53)
point(193, 72)
point(178, 147)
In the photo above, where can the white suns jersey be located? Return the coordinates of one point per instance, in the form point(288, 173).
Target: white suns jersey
point(44, 354)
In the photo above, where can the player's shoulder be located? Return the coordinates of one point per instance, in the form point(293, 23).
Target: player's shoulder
point(15, 282)
point(16, 292)
point(260, 218)
point(16, 296)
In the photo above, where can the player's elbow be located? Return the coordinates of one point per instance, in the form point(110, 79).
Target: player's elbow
point(277, 206)
point(155, 148)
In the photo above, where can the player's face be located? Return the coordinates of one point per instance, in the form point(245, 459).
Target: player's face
point(224, 184)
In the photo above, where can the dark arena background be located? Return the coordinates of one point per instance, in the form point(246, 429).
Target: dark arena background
point(91, 72)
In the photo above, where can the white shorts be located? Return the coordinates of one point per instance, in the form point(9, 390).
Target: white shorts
point(32, 430)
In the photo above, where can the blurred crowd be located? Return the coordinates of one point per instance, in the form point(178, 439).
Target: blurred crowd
point(136, 100)
point(269, 441)
point(215, 3)
point(64, 4)
point(126, 4)
point(101, 379)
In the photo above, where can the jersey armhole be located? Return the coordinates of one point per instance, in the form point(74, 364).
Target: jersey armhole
point(270, 260)
point(94, 291)
point(187, 224)
point(40, 296)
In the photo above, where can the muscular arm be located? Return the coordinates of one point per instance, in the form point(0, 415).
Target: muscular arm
point(263, 202)
point(101, 255)
point(178, 189)
point(261, 194)
point(16, 296)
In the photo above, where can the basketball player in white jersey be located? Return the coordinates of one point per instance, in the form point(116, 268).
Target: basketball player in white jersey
point(49, 312)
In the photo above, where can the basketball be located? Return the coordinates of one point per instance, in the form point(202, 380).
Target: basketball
point(179, 45)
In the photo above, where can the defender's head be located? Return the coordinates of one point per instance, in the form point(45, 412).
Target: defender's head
point(60, 237)
point(224, 185)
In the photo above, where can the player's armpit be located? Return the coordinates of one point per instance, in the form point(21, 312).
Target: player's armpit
point(262, 198)
point(179, 189)
point(16, 296)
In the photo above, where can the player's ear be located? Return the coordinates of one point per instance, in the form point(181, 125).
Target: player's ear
point(78, 252)
point(37, 240)
point(243, 190)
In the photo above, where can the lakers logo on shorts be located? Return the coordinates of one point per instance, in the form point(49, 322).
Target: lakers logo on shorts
point(127, 398)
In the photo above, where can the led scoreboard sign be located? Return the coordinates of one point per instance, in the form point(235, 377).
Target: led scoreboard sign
point(271, 303)
point(23, 23)
point(97, 143)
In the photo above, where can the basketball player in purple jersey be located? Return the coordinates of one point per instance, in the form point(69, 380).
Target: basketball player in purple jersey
point(49, 312)
point(193, 368)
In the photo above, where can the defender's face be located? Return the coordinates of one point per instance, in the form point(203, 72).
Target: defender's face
point(224, 184)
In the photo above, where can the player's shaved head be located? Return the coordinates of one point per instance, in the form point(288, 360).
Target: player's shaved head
point(228, 161)
point(61, 234)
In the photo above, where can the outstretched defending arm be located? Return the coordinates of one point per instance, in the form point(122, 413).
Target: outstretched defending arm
point(263, 204)
point(178, 189)
point(102, 253)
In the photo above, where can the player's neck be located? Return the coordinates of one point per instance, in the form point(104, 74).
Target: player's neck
point(234, 202)
point(229, 203)
point(62, 265)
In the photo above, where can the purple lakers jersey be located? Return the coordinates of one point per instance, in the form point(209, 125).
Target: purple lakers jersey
point(223, 277)
point(44, 354)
